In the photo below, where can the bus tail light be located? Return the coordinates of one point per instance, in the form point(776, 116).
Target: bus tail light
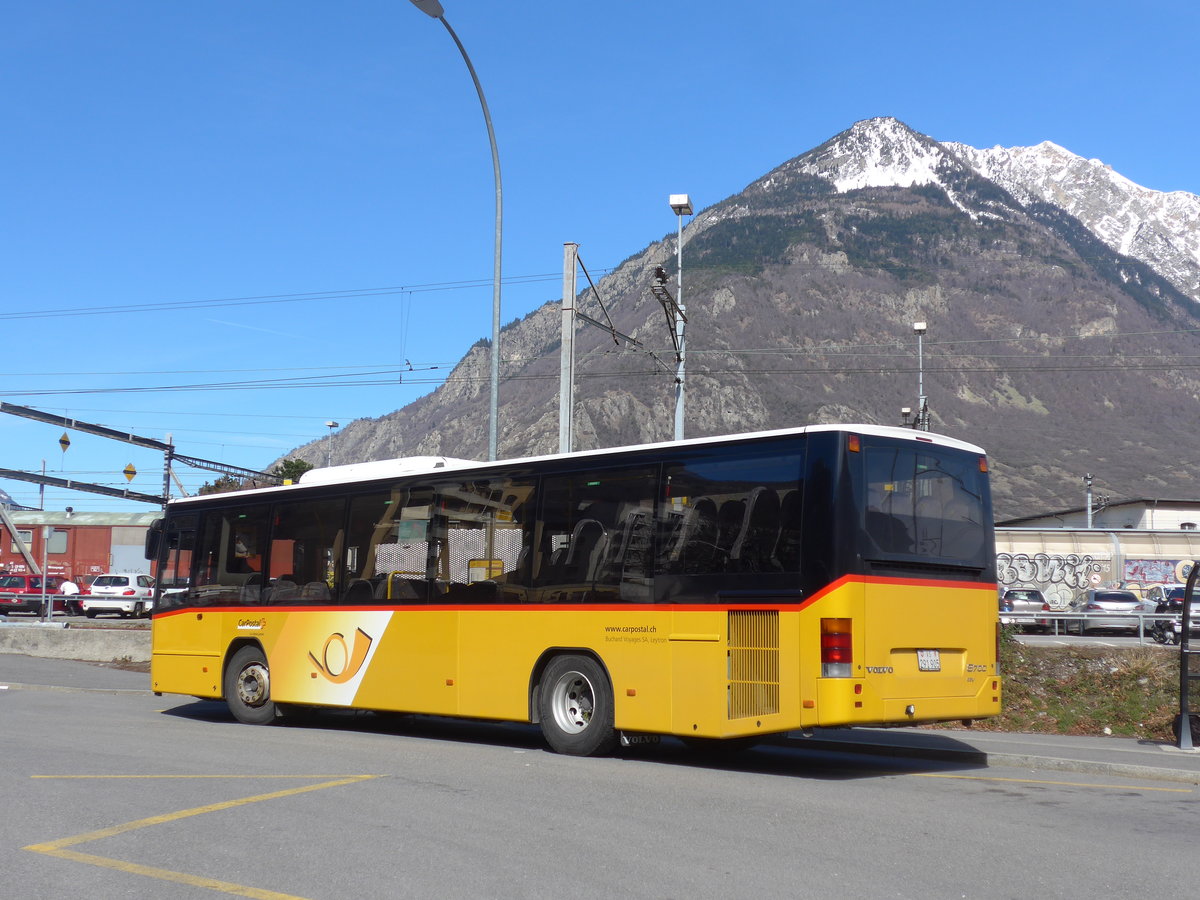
point(837, 648)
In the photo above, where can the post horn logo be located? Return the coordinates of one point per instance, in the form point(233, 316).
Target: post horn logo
point(346, 662)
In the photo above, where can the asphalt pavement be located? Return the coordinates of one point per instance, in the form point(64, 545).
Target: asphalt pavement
point(1102, 755)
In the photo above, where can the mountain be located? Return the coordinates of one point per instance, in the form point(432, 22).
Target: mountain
point(1058, 297)
point(1160, 229)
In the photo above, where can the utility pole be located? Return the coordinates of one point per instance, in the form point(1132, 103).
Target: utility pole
point(682, 206)
point(1087, 481)
point(566, 364)
point(167, 454)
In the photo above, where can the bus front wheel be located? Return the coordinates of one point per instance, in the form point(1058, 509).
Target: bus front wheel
point(248, 687)
point(575, 705)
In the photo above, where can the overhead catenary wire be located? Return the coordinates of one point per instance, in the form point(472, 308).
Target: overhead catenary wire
point(265, 299)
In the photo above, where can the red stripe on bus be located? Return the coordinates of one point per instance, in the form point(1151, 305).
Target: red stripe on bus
point(842, 582)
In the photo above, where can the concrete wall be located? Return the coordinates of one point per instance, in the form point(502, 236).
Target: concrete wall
point(90, 644)
point(1061, 562)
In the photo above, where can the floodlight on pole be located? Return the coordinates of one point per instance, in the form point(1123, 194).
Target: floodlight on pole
point(922, 420)
point(681, 204)
point(433, 9)
point(329, 445)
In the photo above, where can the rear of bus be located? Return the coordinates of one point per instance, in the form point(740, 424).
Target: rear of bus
point(905, 613)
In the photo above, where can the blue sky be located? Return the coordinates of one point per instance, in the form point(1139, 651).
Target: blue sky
point(330, 160)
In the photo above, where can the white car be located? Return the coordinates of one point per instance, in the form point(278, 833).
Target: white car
point(126, 594)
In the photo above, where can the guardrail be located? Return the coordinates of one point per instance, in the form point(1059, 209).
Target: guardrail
point(1054, 619)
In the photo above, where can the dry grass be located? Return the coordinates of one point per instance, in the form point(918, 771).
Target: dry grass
point(1088, 690)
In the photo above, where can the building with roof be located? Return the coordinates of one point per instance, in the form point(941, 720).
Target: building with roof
point(1143, 514)
point(76, 544)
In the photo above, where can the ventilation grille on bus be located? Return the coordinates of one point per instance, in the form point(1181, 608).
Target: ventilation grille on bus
point(753, 663)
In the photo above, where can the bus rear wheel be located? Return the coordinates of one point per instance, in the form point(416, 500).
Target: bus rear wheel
point(248, 687)
point(575, 706)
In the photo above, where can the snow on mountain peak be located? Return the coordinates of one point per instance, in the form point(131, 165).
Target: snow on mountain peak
point(1160, 229)
point(880, 152)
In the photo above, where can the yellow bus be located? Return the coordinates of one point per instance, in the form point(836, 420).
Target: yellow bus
point(717, 588)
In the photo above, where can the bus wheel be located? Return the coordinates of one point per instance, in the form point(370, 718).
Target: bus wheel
point(575, 705)
point(248, 687)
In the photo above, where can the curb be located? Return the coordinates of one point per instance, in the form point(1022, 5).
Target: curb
point(980, 757)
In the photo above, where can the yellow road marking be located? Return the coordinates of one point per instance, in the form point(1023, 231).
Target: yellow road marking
point(184, 777)
point(237, 890)
point(60, 847)
point(1060, 783)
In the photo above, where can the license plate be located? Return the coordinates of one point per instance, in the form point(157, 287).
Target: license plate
point(929, 660)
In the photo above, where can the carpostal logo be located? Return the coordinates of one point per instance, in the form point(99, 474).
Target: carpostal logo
point(339, 663)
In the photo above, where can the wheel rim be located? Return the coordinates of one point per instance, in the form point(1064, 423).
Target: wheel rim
point(254, 685)
point(572, 702)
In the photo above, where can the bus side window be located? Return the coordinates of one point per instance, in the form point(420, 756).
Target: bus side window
point(596, 537)
point(306, 540)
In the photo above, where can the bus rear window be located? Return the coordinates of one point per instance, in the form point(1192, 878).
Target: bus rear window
point(929, 503)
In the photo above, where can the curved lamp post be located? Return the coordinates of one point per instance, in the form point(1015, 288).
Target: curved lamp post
point(433, 9)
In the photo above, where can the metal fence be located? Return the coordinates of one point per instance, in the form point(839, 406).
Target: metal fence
point(1059, 621)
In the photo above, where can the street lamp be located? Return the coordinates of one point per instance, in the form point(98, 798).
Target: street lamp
point(682, 205)
point(329, 445)
point(433, 9)
point(922, 421)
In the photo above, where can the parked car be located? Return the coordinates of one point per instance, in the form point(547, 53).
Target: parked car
point(1026, 605)
point(124, 593)
point(1105, 601)
point(1168, 598)
point(23, 593)
point(1006, 608)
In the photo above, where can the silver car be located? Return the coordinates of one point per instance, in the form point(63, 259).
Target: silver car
point(1027, 607)
point(1107, 604)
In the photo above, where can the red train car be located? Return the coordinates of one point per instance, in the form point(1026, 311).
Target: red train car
point(77, 544)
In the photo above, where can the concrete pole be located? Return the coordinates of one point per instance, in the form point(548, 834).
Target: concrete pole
point(680, 333)
point(47, 604)
point(167, 454)
point(566, 365)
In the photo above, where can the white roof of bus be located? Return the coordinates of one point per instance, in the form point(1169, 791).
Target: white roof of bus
point(416, 465)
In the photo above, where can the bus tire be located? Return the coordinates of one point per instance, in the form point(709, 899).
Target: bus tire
point(575, 706)
point(248, 687)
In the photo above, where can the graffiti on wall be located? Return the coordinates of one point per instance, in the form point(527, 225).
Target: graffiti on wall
point(1058, 575)
point(1157, 571)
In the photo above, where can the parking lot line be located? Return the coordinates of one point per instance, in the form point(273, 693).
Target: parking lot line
point(61, 847)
